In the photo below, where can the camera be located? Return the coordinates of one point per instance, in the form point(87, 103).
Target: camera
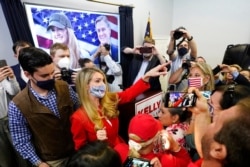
point(66, 74)
point(177, 33)
point(107, 46)
point(110, 78)
point(186, 64)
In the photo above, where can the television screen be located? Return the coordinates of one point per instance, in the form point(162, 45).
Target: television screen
point(82, 31)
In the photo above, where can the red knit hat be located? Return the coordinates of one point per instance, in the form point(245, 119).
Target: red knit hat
point(144, 126)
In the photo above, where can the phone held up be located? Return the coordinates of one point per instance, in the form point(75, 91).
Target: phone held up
point(3, 63)
point(182, 99)
point(179, 99)
point(137, 162)
point(146, 50)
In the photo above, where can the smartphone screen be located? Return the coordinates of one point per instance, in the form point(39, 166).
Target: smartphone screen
point(137, 162)
point(179, 99)
point(3, 63)
point(145, 49)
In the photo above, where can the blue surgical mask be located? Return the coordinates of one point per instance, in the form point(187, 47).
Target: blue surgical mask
point(98, 91)
point(47, 85)
point(182, 51)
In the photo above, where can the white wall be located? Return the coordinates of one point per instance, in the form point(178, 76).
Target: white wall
point(5, 41)
point(214, 24)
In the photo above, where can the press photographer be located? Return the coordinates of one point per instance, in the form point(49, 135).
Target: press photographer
point(61, 57)
point(181, 47)
point(112, 70)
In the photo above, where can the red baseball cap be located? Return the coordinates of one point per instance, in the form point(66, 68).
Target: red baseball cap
point(144, 126)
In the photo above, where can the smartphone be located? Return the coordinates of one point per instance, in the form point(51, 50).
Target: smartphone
point(137, 162)
point(179, 99)
point(3, 63)
point(146, 49)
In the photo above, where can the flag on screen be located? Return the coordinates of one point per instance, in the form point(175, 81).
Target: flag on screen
point(195, 82)
point(83, 25)
point(148, 33)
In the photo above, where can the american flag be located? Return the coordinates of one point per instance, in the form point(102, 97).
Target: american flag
point(195, 82)
point(83, 25)
point(148, 33)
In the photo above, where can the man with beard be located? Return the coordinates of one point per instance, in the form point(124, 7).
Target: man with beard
point(225, 141)
point(39, 114)
point(145, 58)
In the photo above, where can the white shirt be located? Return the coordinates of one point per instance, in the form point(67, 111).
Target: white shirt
point(7, 87)
point(142, 70)
point(115, 70)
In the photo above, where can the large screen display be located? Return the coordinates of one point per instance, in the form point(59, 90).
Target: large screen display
point(83, 31)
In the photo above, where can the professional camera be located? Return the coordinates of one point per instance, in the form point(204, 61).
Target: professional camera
point(66, 74)
point(110, 78)
point(107, 46)
point(186, 64)
point(177, 33)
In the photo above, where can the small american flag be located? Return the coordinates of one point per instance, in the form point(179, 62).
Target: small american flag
point(195, 82)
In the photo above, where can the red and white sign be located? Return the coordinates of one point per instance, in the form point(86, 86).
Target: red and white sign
point(150, 105)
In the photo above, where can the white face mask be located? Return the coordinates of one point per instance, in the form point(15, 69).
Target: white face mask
point(64, 63)
point(98, 91)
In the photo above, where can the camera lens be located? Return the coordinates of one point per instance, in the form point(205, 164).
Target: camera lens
point(177, 34)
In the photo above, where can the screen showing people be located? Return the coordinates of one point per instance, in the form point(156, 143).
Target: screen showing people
point(82, 31)
point(175, 99)
point(179, 99)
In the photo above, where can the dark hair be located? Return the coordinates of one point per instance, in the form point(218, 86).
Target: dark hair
point(234, 134)
point(32, 58)
point(95, 154)
point(232, 94)
point(182, 113)
point(20, 44)
point(83, 61)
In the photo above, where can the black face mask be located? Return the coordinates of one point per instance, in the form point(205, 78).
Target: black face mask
point(47, 85)
point(182, 51)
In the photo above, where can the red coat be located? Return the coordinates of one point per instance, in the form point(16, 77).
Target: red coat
point(82, 127)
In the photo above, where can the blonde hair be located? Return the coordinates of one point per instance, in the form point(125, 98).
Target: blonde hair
point(109, 102)
point(207, 71)
point(236, 66)
point(74, 48)
point(57, 46)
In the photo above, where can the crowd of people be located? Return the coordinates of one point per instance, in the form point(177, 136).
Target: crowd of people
point(54, 115)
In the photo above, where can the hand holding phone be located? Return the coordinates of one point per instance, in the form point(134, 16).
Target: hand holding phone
point(137, 162)
point(3, 63)
point(179, 99)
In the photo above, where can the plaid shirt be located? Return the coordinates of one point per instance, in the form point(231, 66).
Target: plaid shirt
point(19, 130)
